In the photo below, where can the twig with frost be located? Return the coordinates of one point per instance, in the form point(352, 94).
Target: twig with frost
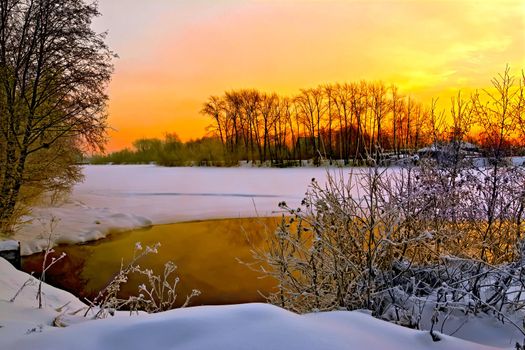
point(29, 282)
point(159, 294)
point(45, 266)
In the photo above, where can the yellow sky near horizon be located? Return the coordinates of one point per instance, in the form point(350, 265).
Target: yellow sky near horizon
point(174, 54)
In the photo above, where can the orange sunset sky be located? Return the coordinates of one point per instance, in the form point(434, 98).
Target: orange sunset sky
point(176, 53)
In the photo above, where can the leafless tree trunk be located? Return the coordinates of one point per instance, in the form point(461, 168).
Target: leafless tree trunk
point(53, 73)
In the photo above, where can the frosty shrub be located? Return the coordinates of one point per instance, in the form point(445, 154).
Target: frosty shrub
point(47, 263)
point(420, 243)
point(156, 295)
point(402, 246)
point(343, 248)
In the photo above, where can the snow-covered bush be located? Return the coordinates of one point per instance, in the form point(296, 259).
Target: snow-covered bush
point(339, 249)
point(413, 246)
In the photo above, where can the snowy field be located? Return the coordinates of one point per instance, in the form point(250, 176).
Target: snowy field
point(118, 198)
point(251, 326)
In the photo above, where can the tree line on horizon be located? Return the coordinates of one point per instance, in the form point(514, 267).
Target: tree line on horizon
point(357, 121)
point(353, 122)
point(350, 121)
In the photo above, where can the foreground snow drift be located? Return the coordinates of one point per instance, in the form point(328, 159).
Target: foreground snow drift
point(22, 316)
point(249, 326)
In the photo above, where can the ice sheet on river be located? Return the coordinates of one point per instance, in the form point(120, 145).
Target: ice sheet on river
point(118, 198)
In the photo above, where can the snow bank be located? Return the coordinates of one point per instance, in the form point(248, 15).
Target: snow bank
point(21, 317)
point(518, 161)
point(119, 198)
point(249, 326)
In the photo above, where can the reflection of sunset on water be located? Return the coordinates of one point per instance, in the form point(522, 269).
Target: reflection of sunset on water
point(207, 254)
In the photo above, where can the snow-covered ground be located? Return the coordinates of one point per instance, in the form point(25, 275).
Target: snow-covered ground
point(117, 198)
point(250, 326)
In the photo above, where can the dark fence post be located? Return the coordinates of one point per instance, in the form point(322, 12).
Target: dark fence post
point(10, 250)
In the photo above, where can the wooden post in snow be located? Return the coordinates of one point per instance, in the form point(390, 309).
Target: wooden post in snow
point(10, 250)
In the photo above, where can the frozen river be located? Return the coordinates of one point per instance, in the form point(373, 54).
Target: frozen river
point(117, 198)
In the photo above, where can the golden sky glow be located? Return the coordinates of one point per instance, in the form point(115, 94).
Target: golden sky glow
point(175, 53)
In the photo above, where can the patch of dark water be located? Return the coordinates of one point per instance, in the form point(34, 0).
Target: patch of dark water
point(207, 254)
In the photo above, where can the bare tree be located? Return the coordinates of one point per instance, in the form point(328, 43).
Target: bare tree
point(380, 108)
point(353, 121)
point(53, 73)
